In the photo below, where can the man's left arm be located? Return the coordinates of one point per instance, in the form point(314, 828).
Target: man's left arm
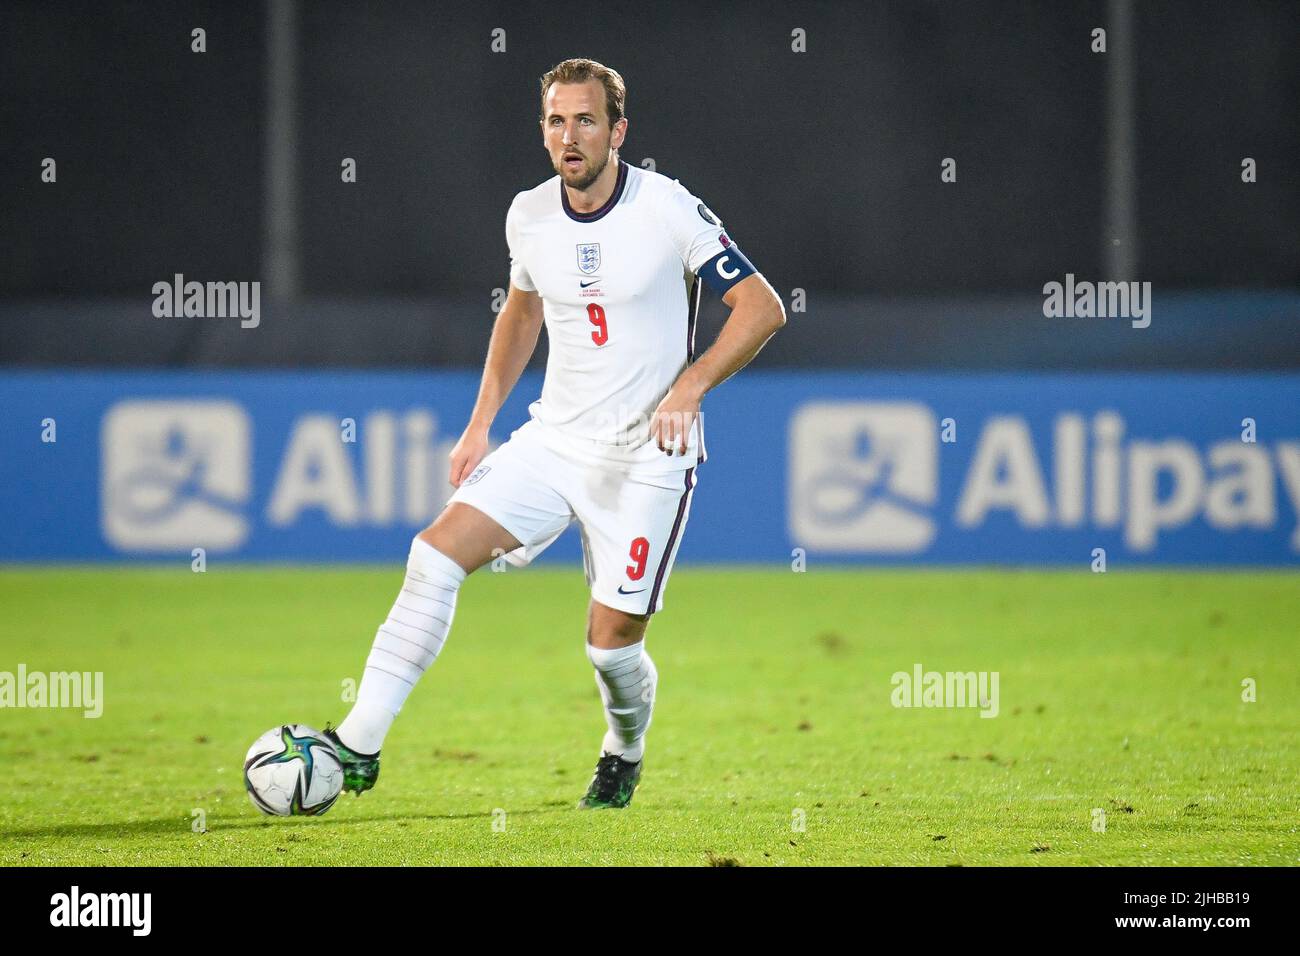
point(756, 314)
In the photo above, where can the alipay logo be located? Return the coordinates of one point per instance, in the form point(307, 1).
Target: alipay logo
point(175, 475)
point(863, 476)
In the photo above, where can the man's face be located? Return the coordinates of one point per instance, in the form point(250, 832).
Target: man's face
point(576, 131)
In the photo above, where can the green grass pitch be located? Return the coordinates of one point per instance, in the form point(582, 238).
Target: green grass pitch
point(1119, 692)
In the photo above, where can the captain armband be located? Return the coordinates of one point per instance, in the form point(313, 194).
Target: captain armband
point(726, 269)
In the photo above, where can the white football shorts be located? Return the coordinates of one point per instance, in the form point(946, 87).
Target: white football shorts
point(631, 519)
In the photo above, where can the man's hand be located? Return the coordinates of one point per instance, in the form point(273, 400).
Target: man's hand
point(469, 451)
point(756, 313)
point(671, 423)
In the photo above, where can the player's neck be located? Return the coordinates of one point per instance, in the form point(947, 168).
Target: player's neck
point(598, 193)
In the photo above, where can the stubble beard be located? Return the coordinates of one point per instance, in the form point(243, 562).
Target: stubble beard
point(583, 183)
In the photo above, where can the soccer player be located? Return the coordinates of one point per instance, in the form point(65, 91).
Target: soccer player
point(611, 258)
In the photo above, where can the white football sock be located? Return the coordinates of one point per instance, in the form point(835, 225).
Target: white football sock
point(627, 680)
point(406, 645)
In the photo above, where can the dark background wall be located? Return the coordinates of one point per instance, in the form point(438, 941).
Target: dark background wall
point(824, 166)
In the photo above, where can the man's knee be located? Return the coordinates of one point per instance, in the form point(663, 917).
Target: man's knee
point(608, 627)
point(467, 536)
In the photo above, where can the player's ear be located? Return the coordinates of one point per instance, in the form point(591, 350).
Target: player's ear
point(620, 133)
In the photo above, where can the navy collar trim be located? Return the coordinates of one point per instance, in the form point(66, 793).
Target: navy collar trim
point(603, 210)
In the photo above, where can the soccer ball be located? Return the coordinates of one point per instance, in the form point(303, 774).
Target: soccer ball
point(292, 770)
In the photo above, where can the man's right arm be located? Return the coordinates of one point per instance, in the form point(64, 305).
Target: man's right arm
point(514, 339)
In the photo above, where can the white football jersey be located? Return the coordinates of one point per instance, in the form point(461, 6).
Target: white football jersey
point(620, 298)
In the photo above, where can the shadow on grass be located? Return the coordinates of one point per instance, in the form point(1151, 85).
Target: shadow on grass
point(181, 826)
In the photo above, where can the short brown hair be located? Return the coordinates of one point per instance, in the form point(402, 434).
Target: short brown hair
point(578, 70)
